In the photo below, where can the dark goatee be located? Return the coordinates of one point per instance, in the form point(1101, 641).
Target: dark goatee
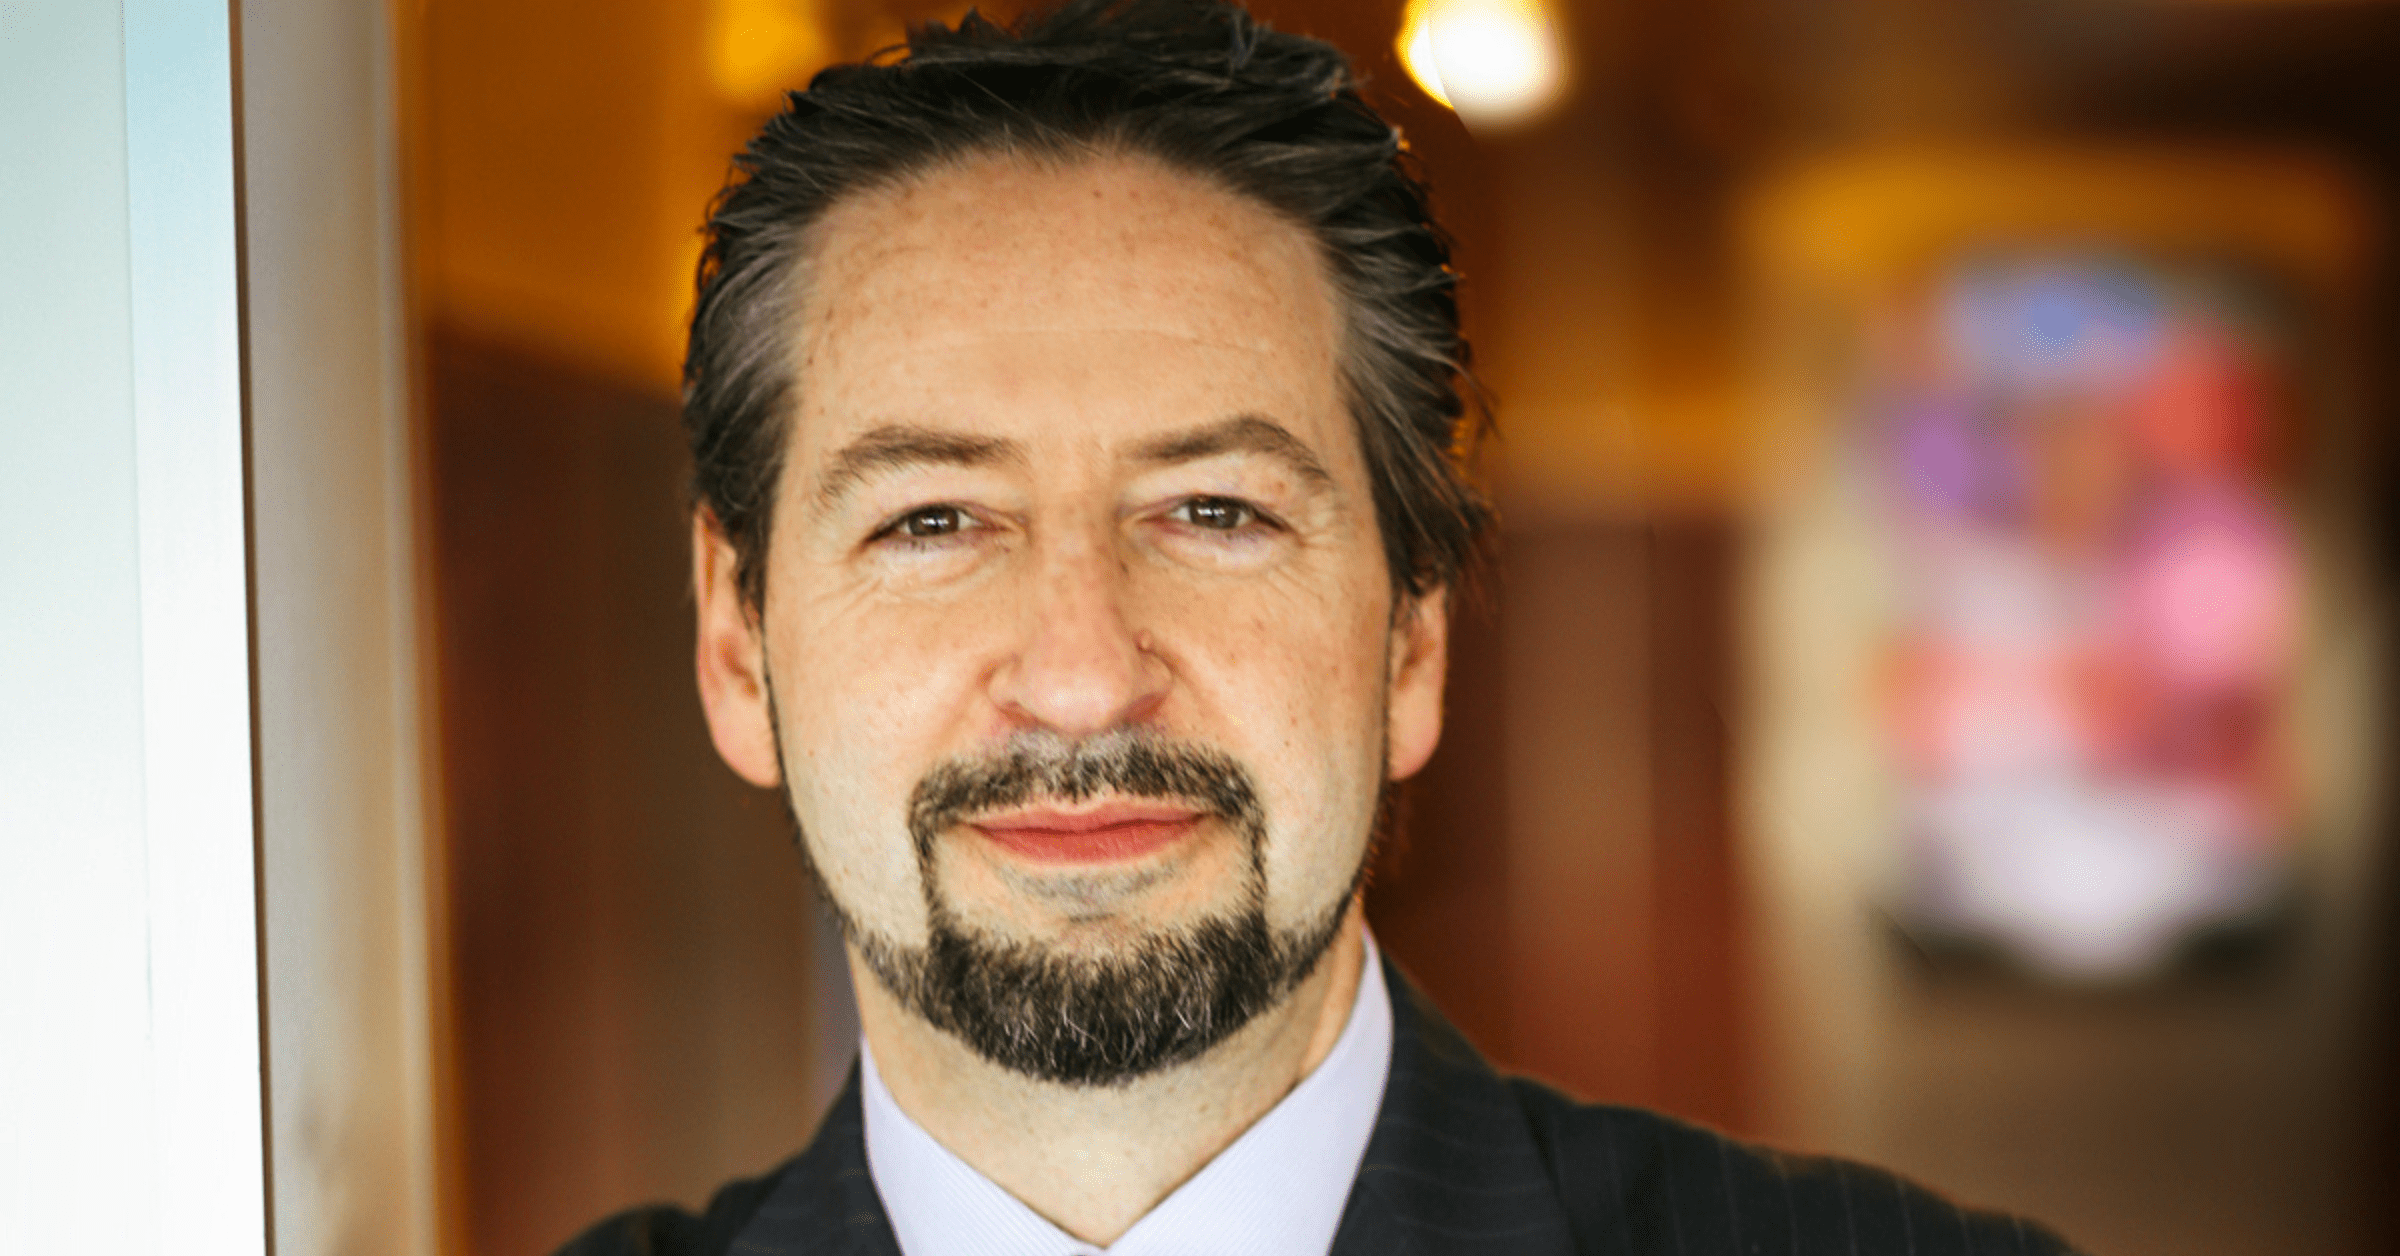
point(1080, 1019)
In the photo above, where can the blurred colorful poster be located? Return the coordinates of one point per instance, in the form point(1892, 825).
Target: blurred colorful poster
point(2097, 634)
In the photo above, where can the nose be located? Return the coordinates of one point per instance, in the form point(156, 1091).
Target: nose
point(1081, 667)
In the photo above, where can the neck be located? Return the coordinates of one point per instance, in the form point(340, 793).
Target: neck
point(1095, 1159)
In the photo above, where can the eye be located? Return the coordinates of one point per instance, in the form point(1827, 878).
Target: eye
point(928, 523)
point(1217, 514)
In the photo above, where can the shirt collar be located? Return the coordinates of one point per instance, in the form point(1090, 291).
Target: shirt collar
point(1279, 1188)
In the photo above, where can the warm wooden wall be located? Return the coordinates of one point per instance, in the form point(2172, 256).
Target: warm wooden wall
point(1565, 886)
point(630, 927)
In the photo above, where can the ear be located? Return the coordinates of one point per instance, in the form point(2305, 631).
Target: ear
point(732, 659)
point(1420, 655)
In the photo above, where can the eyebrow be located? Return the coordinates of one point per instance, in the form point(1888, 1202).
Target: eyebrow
point(894, 447)
point(1248, 433)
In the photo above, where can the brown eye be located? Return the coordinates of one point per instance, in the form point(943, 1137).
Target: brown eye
point(1220, 514)
point(928, 522)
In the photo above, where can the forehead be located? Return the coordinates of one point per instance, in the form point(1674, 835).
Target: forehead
point(1022, 266)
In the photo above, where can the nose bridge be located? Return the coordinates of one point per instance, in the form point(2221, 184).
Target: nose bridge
point(1082, 666)
point(1081, 559)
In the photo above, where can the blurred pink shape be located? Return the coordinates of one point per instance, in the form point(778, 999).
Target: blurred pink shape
point(2210, 592)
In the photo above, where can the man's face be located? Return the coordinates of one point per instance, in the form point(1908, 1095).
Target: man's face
point(1078, 641)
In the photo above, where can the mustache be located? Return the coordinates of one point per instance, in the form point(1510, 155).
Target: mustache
point(1038, 766)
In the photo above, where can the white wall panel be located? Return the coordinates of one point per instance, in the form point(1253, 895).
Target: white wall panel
point(130, 1113)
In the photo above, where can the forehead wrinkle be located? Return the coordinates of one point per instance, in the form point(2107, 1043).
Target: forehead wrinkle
point(896, 446)
point(861, 247)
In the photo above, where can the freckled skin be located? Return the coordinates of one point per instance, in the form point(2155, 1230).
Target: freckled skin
point(1080, 312)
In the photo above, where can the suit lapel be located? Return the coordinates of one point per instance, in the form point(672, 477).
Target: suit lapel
point(824, 1204)
point(1450, 1170)
point(1451, 1167)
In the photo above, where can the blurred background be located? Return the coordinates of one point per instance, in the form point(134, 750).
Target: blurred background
point(1925, 707)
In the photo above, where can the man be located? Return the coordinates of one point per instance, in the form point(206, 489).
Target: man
point(1073, 409)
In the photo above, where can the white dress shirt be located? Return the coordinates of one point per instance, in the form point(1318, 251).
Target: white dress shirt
point(1278, 1189)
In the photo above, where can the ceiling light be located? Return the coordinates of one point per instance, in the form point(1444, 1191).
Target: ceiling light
point(1496, 62)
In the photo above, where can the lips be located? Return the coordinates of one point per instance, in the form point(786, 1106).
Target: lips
point(1104, 834)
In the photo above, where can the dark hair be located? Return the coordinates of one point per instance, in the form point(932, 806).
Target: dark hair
point(1197, 85)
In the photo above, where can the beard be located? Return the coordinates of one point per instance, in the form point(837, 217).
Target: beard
point(1076, 1018)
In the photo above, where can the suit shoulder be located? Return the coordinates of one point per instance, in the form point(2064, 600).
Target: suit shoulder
point(666, 1230)
point(1639, 1181)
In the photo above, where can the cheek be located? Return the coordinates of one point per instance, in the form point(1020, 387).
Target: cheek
point(1295, 690)
point(866, 708)
point(1316, 840)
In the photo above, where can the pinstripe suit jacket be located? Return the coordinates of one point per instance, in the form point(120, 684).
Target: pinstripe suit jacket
point(1463, 1162)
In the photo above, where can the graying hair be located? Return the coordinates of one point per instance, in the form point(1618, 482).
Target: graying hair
point(1195, 84)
